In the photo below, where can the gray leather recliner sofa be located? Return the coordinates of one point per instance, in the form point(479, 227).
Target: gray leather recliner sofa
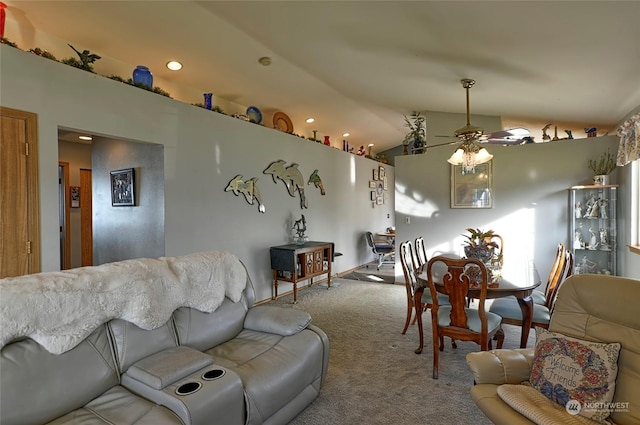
point(235, 364)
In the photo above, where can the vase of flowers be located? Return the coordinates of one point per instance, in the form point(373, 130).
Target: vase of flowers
point(478, 244)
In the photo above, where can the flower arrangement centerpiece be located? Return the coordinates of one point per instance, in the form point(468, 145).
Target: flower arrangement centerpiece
point(478, 244)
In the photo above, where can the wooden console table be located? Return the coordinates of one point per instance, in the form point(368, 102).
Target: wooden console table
point(293, 263)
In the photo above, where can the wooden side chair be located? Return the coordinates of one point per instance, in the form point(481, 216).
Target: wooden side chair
point(456, 320)
point(510, 311)
point(412, 261)
point(420, 251)
point(541, 296)
point(409, 268)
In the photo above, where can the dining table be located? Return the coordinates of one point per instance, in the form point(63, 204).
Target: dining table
point(517, 281)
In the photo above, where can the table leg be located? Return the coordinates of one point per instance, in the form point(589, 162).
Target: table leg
point(418, 307)
point(275, 284)
point(526, 305)
point(295, 292)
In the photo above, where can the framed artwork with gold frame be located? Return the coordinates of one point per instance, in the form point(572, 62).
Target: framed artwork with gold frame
point(472, 190)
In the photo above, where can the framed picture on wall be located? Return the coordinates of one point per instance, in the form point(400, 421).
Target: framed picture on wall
point(472, 190)
point(75, 196)
point(122, 188)
point(381, 172)
point(375, 174)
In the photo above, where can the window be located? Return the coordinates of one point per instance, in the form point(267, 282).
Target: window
point(634, 203)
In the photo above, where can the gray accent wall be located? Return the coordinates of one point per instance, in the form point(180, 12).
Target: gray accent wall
point(530, 196)
point(124, 232)
point(202, 151)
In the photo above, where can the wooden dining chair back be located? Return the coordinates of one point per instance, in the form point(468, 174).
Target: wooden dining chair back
point(409, 271)
point(498, 240)
point(420, 251)
point(566, 272)
point(456, 277)
point(557, 274)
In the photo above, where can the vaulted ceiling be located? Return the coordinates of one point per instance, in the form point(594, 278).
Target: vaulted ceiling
point(359, 66)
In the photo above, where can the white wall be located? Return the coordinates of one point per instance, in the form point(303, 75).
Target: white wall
point(203, 151)
point(530, 198)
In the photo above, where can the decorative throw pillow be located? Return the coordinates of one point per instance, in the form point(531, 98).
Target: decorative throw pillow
point(567, 369)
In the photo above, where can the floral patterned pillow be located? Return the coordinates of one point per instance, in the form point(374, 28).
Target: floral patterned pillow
point(570, 371)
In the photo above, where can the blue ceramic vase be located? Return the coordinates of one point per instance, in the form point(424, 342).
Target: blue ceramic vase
point(208, 104)
point(142, 75)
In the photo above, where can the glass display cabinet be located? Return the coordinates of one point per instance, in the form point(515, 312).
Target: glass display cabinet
point(592, 229)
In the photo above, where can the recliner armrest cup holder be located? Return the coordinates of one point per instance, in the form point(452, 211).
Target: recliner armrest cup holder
point(188, 388)
point(213, 374)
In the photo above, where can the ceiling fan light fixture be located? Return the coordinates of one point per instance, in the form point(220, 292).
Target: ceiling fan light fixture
point(469, 154)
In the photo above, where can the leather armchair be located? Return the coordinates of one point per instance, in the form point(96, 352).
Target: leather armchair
point(590, 307)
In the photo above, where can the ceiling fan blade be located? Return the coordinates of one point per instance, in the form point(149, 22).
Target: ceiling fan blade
point(514, 136)
point(453, 142)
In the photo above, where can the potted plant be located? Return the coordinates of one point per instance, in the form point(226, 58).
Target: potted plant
point(416, 138)
point(602, 166)
point(479, 245)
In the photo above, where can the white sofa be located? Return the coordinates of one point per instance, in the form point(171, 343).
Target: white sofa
point(153, 341)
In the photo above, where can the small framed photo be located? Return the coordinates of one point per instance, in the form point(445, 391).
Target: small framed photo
point(373, 195)
point(381, 172)
point(122, 188)
point(75, 196)
point(372, 184)
point(375, 174)
point(380, 200)
point(384, 183)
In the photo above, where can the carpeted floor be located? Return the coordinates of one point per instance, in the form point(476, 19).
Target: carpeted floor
point(374, 376)
point(371, 274)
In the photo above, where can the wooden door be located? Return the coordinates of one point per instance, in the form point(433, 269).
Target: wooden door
point(65, 222)
point(86, 221)
point(19, 198)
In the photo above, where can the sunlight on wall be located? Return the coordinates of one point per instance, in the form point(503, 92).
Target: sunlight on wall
point(517, 230)
point(218, 155)
point(413, 204)
point(353, 169)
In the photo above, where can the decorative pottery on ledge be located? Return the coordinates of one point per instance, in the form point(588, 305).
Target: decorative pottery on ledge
point(142, 75)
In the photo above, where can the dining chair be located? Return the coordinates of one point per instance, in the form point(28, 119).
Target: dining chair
point(510, 311)
point(540, 296)
point(383, 250)
point(456, 320)
point(408, 256)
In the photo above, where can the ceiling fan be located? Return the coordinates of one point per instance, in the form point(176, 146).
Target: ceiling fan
point(470, 133)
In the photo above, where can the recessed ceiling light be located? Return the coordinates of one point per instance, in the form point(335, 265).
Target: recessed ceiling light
point(85, 138)
point(174, 65)
point(310, 120)
point(346, 134)
point(265, 61)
